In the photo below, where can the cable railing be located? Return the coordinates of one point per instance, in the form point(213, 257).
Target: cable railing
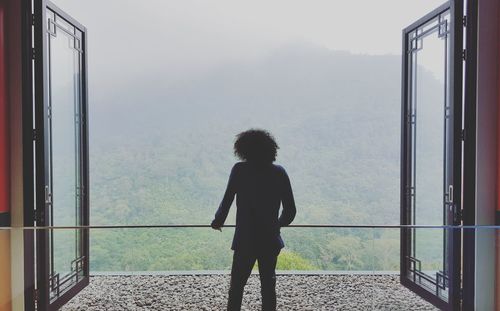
point(339, 226)
point(342, 264)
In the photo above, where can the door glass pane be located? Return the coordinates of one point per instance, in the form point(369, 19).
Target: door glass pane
point(64, 77)
point(430, 143)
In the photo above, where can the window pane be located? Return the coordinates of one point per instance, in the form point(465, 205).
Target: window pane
point(65, 158)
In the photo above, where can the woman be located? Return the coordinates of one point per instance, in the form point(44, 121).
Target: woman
point(260, 187)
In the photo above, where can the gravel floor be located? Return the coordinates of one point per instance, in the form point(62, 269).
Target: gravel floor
point(209, 292)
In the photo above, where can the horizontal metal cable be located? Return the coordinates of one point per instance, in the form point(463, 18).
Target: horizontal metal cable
point(340, 226)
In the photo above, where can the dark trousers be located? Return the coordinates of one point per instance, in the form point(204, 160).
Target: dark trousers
point(243, 263)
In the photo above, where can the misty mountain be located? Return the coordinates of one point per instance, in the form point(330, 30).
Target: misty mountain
point(161, 152)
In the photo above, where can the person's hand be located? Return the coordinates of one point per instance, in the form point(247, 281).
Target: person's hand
point(216, 226)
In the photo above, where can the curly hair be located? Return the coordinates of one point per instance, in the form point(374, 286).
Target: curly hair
point(256, 145)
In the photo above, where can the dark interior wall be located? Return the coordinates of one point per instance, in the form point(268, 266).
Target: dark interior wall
point(13, 129)
point(4, 127)
point(497, 287)
point(486, 152)
point(13, 69)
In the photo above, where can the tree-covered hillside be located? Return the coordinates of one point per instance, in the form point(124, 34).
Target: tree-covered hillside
point(161, 153)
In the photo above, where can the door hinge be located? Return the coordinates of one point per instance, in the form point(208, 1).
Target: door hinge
point(33, 53)
point(37, 215)
point(464, 21)
point(464, 54)
point(462, 135)
point(34, 134)
point(457, 215)
point(33, 19)
point(36, 296)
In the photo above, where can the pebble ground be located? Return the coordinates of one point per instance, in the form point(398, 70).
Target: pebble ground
point(209, 292)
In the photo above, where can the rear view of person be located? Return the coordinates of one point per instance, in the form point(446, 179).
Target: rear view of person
point(260, 188)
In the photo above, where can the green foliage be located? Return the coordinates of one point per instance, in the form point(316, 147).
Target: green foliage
point(289, 260)
point(166, 160)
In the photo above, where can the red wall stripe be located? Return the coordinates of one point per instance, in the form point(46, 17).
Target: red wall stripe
point(4, 124)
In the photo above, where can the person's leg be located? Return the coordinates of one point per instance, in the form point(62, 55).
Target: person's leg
point(240, 271)
point(267, 273)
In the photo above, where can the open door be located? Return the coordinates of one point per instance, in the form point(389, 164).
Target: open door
point(431, 155)
point(61, 148)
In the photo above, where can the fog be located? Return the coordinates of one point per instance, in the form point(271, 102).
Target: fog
point(129, 40)
point(172, 82)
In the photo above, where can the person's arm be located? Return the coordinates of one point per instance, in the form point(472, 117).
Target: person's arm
point(289, 210)
point(221, 214)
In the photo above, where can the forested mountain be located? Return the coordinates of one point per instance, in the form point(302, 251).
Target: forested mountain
point(161, 152)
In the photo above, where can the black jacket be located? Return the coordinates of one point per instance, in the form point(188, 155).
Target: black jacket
point(259, 190)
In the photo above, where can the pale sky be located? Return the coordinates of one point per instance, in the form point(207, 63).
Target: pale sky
point(180, 38)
